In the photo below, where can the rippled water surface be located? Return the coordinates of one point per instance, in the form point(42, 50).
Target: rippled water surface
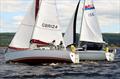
point(84, 70)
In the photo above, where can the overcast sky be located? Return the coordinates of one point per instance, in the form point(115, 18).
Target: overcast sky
point(13, 11)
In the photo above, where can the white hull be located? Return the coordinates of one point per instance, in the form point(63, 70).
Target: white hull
point(56, 56)
point(38, 56)
point(95, 55)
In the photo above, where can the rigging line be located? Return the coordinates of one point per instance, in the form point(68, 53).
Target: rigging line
point(6, 49)
point(81, 23)
point(74, 23)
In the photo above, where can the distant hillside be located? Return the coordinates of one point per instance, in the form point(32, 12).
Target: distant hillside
point(5, 38)
point(112, 39)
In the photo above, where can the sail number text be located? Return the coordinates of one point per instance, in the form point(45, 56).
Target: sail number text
point(91, 14)
point(49, 26)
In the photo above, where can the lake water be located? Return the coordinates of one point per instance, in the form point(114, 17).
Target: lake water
point(84, 70)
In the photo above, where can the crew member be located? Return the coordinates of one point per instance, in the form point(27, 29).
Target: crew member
point(84, 47)
point(52, 45)
point(60, 46)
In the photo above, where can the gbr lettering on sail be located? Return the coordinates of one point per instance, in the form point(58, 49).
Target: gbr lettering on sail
point(49, 26)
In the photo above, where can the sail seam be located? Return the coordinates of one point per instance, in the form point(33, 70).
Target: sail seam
point(81, 24)
point(27, 25)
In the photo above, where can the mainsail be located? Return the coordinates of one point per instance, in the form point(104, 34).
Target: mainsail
point(47, 26)
point(22, 38)
point(90, 30)
point(40, 26)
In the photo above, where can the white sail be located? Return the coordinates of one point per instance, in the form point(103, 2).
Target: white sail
point(68, 37)
point(47, 27)
point(70, 34)
point(90, 30)
point(22, 38)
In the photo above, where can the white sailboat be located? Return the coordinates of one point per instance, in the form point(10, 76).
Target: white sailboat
point(39, 37)
point(36, 35)
point(89, 33)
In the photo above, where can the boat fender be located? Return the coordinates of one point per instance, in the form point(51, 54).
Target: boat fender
point(72, 48)
point(107, 49)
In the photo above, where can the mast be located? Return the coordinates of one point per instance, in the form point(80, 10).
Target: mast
point(37, 2)
point(81, 22)
point(74, 24)
point(36, 8)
